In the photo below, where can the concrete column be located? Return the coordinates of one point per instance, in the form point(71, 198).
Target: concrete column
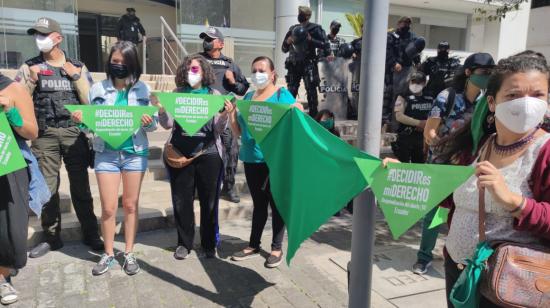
point(286, 15)
point(513, 31)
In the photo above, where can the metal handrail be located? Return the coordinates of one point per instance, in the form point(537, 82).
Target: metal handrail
point(165, 52)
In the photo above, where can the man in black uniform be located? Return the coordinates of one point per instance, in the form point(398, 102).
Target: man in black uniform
point(129, 27)
point(229, 78)
point(302, 42)
point(335, 40)
point(440, 68)
point(398, 64)
point(54, 81)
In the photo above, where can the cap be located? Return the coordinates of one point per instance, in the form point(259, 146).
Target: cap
point(130, 9)
point(335, 23)
point(212, 33)
point(443, 45)
point(418, 77)
point(479, 60)
point(305, 10)
point(45, 25)
point(405, 19)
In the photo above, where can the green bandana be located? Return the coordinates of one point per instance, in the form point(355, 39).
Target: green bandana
point(478, 118)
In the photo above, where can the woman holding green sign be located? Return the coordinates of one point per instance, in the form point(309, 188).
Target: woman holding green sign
point(256, 171)
point(17, 105)
point(195, 161)
point(128, 162)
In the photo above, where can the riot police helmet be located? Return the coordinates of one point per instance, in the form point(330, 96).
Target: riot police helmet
point(299, 34)
point(346, 50)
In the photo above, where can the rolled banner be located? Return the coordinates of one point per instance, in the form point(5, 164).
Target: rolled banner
point(11, 158)
point(192, 111)
point(114, 124)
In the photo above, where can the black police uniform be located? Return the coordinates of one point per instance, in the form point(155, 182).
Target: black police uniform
point(409, 146)
point(397, 42)
point(335, 43)
point(128, 29)
point(220, 66)
point(58, 135)
point(303, 63)
point(441, 70)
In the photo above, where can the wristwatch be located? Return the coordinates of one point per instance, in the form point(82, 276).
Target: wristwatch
point(75, 77)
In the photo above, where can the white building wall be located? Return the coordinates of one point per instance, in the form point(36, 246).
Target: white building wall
point(513, 31)
point(538, 38)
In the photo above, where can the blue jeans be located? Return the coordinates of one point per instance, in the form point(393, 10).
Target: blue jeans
point(118, 162)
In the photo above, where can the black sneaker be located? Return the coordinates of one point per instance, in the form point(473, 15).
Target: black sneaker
point(130, 266)
point(231, 195)
point(104, 264)
point(421, 267)
point(242, 255)
point(45, 247)
point(210, 253)
point(181, 253)
point(273, 261)
point(94, 243)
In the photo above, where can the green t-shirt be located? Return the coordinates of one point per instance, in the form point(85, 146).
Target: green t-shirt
point(128, 145)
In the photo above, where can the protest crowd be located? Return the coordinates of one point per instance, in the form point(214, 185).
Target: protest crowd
point(478, 112)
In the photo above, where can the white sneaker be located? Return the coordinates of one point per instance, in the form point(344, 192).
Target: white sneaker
point(8, 294)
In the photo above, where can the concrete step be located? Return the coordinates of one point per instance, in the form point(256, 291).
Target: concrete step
point(153, 215)
point(152, 191)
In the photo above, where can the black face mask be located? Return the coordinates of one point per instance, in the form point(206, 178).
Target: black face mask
point(119, 71)
point(302, 18)
point(208, 46)
point(404, 29)
point(334, 31)
point(443, 54)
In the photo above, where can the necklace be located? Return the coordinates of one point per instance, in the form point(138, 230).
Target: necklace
point(514, 147)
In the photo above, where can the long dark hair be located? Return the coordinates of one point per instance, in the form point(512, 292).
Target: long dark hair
point(130, 54)
point(459, 144)
point(208, 77)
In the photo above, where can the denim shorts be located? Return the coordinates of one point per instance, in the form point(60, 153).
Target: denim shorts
point(119, 161)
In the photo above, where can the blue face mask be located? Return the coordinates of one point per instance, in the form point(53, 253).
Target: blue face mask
point(328, 123)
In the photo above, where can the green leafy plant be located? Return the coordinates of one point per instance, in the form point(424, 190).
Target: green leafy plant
point(503, 8)
point(356, 22)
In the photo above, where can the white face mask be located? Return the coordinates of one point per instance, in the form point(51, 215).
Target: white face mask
point(416, 88)
point(260, 80)
point(193, 78)
point(44, 43)
point(522, 114)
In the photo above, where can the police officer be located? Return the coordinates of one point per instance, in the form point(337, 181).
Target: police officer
point(399, 64)
point(54, 81)
point(411, 111)
point(229, 78)
point(302, 42)
point(441, 68)
point(129, 27)
point(335, 40)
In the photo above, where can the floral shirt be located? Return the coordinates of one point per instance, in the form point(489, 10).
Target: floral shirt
point(460, 114)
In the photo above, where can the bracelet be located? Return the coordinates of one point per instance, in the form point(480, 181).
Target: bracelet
point(14, 117)
point(519, 208)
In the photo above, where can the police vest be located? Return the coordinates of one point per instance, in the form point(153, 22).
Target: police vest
point(441, 70)
point(418, 107)
point(54, 89)
point(130, 29)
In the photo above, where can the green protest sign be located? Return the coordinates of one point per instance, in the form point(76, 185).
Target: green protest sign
point(261, 117)
point(11, 158)
point(191, 111)
point(114, 124)
point(440, 217)
point(407, 192)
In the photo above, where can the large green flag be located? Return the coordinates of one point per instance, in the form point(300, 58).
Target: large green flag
point(11, 158)
point(312, 174)
point(407, 192)
point(191, 111)
point(114, 124)
point(261, 117)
